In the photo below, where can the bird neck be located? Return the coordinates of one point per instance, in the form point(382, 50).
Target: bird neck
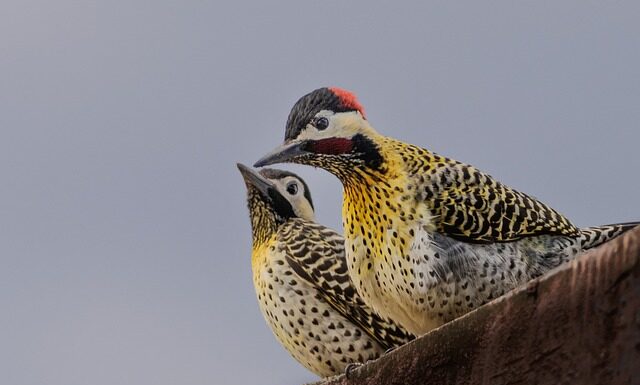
point(376, 197)
point(384, 161)
point(263, 227)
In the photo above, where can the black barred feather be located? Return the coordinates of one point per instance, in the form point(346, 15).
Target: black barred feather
point(591, 237)
point(472, 206)
point(316, 253)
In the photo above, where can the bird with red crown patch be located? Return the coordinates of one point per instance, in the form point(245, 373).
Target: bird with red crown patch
point(427, 238)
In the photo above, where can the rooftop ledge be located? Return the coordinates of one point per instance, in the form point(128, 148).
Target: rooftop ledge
point(579, 324)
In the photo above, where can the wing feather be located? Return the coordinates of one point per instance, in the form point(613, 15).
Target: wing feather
point(319, 259)
point(472, 206)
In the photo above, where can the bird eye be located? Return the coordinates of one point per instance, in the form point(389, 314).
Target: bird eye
point(292, 188)
point(321, 123)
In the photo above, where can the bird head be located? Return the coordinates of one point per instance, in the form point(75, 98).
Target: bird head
point(327, 128)
point(275, 196)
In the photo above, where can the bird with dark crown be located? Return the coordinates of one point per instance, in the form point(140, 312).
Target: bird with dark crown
point(301, 280)
point(427, 238)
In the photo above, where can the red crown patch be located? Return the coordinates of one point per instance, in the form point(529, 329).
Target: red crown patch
point(348, 99)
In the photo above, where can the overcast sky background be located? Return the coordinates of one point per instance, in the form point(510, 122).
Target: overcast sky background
point(124, 233)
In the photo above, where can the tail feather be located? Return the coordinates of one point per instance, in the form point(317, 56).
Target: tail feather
point(591, 237)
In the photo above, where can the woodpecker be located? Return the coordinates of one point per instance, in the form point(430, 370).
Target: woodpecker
point(301, 280)
point(427, 238)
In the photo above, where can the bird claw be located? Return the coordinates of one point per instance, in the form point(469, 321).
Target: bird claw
point(389, 350)
point(350, 368)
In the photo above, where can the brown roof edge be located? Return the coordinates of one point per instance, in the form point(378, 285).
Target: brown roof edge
point(579, 324)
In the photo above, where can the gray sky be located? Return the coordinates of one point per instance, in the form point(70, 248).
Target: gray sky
point(124, 235)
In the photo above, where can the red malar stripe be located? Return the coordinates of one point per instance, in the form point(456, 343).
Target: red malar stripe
point(332, 146)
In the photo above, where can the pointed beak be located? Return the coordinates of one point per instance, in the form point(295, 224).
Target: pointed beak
point(252, 178)
point(283, 154)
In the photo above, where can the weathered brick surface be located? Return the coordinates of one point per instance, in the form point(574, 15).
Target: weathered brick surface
point(580, 324)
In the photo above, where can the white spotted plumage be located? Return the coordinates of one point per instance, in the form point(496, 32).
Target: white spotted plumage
point(302, 284)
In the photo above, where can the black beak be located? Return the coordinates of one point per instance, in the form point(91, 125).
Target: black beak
point(256, 180)
point(283, 154)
